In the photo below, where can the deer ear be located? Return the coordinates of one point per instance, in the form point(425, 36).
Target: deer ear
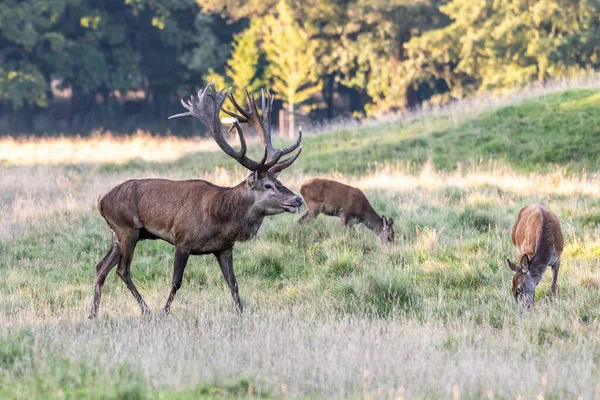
point(525, 263)
point(513, 266)
point(252, 179)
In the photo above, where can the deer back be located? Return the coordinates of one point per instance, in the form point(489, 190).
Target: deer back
point(537, 234)
point(190, 212)
point(331, 195)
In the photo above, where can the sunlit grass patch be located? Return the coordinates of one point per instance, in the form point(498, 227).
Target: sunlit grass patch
point(99, 148)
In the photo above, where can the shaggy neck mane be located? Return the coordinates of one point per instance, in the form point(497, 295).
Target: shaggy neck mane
point(232, 204)
point(235, 208)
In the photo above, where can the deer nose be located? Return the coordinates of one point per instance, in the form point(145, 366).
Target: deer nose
point(299, 201)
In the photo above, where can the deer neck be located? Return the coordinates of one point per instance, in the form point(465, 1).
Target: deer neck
point(373, 221)
point(235, 204)
point(235, 207)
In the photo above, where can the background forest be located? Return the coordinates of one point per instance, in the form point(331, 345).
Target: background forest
point(83, 65)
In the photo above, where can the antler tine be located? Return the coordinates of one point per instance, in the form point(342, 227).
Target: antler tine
point(242, 118)
point(251, 103)
point(262, 123)
point(262, 166)
point(238, 127)
point(293, 147)
point(206, 107)
point(267, 107)
point(264, 103)
point(185, 114)
point(286, 163)
point(290, 160)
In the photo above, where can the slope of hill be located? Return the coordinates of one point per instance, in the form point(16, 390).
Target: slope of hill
point(537, 135)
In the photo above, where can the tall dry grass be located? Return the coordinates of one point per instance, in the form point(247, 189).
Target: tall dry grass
point(99, 148)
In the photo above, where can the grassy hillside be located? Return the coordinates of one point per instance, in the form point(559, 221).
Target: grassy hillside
point(328, 312)
point(538, 135)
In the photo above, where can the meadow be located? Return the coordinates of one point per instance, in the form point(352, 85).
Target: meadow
point(328, 312)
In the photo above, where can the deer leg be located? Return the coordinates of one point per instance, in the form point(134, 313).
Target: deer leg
point(309, 215)
point(225, 259)
point(124, 269)
point(303, 218)
point(102, 269)
point(347, 221)
point(555, 268)
point(181, 259)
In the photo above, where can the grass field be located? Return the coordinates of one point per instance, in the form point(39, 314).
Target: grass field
point(328, 313)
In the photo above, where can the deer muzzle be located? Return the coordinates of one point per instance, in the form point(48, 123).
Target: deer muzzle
point(292, 208)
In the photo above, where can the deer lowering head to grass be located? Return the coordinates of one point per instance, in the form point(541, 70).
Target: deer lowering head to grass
point(349, 203)
point(539, 242)
point(196, 216)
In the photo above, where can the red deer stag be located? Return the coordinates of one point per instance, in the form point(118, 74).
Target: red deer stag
point(196, 216)
point(349, 203)
point(539, 242)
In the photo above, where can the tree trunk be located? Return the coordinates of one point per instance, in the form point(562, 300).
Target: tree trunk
point(329, 95)
point(291, 122)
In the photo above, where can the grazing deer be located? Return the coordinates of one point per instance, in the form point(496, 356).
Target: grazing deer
point(196, 216)
point(539, 242)
point(350, 204)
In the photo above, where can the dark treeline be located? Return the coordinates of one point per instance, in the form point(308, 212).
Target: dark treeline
point(82, 65)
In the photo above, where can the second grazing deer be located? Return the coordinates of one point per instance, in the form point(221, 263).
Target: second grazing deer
point(347, 202)
point(539, 242)
point(196, 216)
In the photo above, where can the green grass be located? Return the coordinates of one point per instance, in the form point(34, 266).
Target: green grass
point(560, 129)
point(328, 312)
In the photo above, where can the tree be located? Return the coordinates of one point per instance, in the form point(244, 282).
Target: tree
point(29, 30)
point(494, 45)
point(243, 71)
point(358, 43)
point(364, 46)
point(99, 49)
point(292, 64)
point(238, 9)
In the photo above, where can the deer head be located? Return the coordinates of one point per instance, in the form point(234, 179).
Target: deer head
point(523, 284)
point(269, 195)
point(387, 231)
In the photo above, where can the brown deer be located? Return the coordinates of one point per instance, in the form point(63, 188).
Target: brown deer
point(539, 242)
point(350, 204)
point(196, 216)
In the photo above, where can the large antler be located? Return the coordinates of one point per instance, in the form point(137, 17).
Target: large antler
point(206, 108)
point(263, 127)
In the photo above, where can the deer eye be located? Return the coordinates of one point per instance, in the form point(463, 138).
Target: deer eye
point(268, 186)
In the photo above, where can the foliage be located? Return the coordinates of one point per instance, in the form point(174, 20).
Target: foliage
point(22, 83)
point(292, 70)
point(503, 44)
point(243, 66)
point(368, 52)
point(359, 56)
point(92, 48)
